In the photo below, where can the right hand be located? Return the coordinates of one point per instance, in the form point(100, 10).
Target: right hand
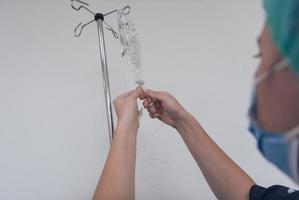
point(163, 106)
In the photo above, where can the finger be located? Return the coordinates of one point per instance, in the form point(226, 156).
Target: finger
point(133, 93)
point(160, 117)
point(152, 100)
point(152, 115)
point(143, 95)
point(152, 104)
point(140, 88)
point(146, 103)
point(153, 94)
point(138, 92)
point(152, 109)
point(155, 115)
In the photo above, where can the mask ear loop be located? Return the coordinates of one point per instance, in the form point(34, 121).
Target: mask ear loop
point(259, 79)
point(292, 133)
point(277, 67)
point(292, 136)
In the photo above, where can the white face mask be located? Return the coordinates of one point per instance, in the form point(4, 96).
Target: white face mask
point(281, 149)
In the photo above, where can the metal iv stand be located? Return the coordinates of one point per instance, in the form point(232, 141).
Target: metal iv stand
point(99, 18)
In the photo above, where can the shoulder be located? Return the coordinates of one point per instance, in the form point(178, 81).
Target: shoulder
point(275, 192)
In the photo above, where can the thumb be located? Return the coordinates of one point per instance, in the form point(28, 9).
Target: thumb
point(154, 94)
point(138, 92)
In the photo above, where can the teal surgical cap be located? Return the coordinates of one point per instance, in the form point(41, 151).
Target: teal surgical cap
point(283, 21)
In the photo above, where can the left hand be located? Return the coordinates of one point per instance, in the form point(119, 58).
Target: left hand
point(127, 110)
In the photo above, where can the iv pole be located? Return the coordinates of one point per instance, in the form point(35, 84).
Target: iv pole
point(105, 78)
point(99, 18)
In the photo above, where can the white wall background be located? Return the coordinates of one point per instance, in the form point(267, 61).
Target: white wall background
point(53, 134)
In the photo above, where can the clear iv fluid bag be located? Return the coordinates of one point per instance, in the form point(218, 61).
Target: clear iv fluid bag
point(130, 46)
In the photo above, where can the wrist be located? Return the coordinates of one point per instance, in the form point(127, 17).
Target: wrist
point(128, 127)
point(124, 136)
point(184, 121)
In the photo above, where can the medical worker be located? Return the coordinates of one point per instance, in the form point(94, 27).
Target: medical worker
point(273, 112)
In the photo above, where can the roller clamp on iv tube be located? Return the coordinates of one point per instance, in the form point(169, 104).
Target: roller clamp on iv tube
point(99, 18)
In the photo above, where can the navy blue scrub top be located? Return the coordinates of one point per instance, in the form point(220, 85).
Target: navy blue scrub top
point(275, 192)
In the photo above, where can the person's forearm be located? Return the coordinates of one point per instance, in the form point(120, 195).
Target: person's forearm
point(118, 177)
point(227, 180)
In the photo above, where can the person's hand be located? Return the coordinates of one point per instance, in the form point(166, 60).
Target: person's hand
point(127, 110)
point(163, 106)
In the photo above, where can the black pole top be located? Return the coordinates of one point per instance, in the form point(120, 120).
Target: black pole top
point(99, 16)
